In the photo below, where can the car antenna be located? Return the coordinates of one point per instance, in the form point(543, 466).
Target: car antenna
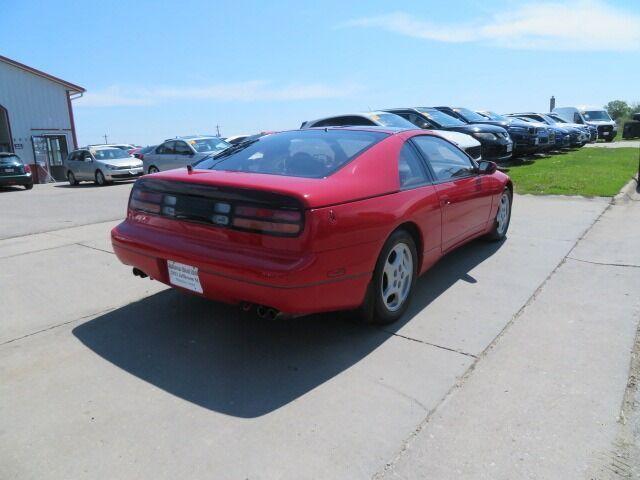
point(189, 168)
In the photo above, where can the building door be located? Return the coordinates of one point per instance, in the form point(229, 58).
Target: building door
point(6, 142)
point(49, 152)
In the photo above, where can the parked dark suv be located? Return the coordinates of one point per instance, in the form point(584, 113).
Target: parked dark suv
point(495, 141)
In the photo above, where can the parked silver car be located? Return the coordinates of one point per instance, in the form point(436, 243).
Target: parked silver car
point(181, 151)
point(102, 165)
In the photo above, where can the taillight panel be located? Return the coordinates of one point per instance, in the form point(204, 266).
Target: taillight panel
point(246, 210)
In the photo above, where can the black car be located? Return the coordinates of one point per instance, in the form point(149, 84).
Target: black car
point(526, 138)
point(14, 172)
point(495, 141)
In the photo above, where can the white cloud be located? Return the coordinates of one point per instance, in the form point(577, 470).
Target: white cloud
point(572, 25)
point(255, 90)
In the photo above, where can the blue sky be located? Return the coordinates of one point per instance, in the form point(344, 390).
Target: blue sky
point(154, 70)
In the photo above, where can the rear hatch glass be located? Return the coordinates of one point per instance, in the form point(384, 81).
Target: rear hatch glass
point(301, 153)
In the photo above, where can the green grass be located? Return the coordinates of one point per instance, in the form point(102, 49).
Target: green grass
point(592, 172)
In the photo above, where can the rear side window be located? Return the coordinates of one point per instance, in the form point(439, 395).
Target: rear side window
point(411, 170)
point(300, 153)
point(446, 161)
point(182, 148)
point(166, 148)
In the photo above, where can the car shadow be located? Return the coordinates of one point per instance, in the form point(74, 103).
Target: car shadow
point(17, 188)
point(94, 185)
point(222, 359)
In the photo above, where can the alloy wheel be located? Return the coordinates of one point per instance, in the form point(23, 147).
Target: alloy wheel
point(397, 276)
point(502, 218)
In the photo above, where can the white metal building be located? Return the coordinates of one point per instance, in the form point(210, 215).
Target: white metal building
point(36, 118)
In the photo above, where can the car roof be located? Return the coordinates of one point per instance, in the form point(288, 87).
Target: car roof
point(366, 115)
point(366, 128)
point(8, 154)
point(191, 137)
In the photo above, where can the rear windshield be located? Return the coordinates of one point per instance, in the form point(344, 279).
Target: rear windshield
point(469, 115)
point(300, 153)
point(442, 119)
point(495, 116)
point(391, 120)
point(10, 159)
point(109, 154)
point(213, 144)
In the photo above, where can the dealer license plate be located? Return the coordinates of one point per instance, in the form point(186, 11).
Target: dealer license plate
point(9, 170)
point(184, 276)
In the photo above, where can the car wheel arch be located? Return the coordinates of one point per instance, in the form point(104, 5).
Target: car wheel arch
point(416, 234)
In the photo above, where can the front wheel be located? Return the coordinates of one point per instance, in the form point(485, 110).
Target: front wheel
point(393, 280)
point(153, 169)
point(100, 180)
point(28, 186)
point(503, 217)
point(72, 178)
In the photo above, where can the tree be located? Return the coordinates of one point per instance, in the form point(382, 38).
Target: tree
point(634, 108)
point(618, 109)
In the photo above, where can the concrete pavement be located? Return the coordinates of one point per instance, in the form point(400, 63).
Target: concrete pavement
point(109, 376)
point(546, 399)
point(616, 144)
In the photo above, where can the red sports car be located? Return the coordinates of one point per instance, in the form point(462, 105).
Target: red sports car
point(313, 220)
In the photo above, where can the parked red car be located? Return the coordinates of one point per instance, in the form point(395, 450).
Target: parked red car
point(313, 220)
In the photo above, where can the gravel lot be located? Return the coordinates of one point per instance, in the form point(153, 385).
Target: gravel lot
point(512, 361)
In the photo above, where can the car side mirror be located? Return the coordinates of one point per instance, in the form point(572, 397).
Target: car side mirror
point(88, 159)
point(487, 168)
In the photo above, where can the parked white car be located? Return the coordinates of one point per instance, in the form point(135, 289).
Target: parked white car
point(595, 116)
point(463, 141)
point(181, 151)
point(386, 119)
point(102, 165)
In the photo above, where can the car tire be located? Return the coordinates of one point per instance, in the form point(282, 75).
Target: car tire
point(28, 186)
point(609, 139)
point(503, 217)
point(100, 179)
point(153, 169)
point(72, 178)
point(394, 278)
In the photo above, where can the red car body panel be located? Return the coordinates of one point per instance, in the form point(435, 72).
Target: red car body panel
point(348, 217)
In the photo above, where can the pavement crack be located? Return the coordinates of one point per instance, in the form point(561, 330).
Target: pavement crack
point(35, 251)
point(626, 265)
point(411, 339)
point(94, 248)
point(51, 327)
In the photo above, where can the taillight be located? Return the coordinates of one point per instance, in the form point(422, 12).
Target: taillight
point(220, 212)
point(27, 168)
point(145, 201)
point(267, 220)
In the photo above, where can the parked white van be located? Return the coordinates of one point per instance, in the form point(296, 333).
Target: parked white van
point(596, 116)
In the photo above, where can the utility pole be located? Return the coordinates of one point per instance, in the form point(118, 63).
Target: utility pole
point(105, 139)
point(218, 129)
point(552, 103)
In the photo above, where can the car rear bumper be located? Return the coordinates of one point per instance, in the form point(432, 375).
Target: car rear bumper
point(23, 179)
point(294, 284)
